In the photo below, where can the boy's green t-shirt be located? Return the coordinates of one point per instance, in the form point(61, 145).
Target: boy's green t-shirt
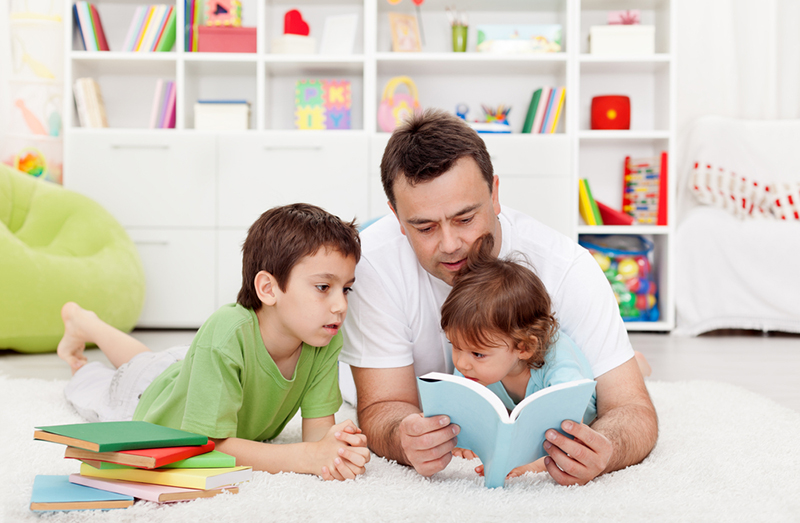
point(229, 386)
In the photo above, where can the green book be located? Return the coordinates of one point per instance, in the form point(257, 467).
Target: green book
point(210, 460)
point(168, 38)
point(595, 210)
point(111, 436)
point(528, 126)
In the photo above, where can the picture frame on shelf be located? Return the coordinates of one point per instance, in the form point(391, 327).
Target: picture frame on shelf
point(405, 33)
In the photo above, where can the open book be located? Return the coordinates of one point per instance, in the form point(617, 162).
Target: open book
point(501, 440)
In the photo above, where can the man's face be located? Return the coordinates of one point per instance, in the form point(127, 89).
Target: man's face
point(443, 217)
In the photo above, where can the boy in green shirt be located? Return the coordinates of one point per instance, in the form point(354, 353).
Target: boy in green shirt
point(252, 364)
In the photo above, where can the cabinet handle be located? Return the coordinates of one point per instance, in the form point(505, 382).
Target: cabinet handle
point(293, 148)
point(139, 146)
point(151, 242)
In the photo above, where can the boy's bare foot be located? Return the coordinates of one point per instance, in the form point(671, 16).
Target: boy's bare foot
point(644, 366)
point(71, 346)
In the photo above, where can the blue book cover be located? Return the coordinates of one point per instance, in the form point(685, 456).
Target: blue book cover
point(57, 493)
point(501, 440)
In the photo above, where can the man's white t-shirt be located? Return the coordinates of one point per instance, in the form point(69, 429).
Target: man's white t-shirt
point(394, 310)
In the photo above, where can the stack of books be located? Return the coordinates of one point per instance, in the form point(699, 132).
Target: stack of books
point(87, 20)
point(162, 112)
point(544, 110)
point(152, 29)
point(123, 460)
point(89, 102)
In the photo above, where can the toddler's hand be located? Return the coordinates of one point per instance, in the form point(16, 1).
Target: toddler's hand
point(464, 453)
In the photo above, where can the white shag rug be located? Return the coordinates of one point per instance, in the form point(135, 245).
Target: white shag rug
point(723, 454)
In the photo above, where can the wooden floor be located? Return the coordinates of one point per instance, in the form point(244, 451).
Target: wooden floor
point(767, 365)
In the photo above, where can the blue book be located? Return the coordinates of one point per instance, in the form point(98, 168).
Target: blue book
point(79, 26)
point(501, 440)
point(57, 493)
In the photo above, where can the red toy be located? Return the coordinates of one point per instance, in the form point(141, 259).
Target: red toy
point(293, 23)
point(611, 112)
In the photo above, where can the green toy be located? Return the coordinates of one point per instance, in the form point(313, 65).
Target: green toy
point(58, 246)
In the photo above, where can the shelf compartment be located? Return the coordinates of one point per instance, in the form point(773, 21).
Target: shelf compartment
point(602, 162)
point(653, 12)
point(648, 91)
point(219, 80)
point(314, 14)
point(436, 30)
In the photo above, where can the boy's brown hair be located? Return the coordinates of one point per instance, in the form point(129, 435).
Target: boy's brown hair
point(492, 297)
point(282, 236)
point(427, 145)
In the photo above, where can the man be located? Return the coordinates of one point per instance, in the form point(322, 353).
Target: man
point(441, 187)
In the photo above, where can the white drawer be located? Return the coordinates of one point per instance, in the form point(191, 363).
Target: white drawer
point(260, 171)
point(146, 179)
point(549, 200)
point(180, 275)
point(229, 264)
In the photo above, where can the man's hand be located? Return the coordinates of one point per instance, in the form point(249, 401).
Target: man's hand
point(576, 461)
point(427, 442)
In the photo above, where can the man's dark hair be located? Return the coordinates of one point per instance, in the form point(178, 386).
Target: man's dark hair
point(282, 236)
point(427, 145)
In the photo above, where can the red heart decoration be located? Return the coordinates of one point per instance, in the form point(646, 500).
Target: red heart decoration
point(293, 23)
point(417, 2)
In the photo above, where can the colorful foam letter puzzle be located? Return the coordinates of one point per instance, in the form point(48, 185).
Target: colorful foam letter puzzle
point(322, 104)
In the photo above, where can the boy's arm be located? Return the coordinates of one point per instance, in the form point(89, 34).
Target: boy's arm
point(309, 457)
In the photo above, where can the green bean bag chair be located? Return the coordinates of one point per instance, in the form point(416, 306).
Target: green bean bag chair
point(58, 246)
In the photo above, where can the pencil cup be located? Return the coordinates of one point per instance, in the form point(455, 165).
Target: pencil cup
point(460, 38)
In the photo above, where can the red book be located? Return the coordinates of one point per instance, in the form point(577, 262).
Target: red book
point(143, 458)
point(102, 43)
point(662, 191)
point(612, 216)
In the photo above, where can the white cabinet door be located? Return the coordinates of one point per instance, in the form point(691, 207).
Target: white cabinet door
point(146, 179)
point(180, 275)
point(260, 171)
point(229, 264)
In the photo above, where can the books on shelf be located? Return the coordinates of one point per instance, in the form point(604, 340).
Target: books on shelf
point(185, 470)
point(644, 195)
point(90, 28)
point(152, 29)
point(58, 493)
point(501, 440)
point(89, 103)
point(544, 110)
point(162, 111)
point(587, 205)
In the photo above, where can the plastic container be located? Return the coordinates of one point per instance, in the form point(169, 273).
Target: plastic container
point(627, 261)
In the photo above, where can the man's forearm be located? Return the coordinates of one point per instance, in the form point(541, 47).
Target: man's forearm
point(633, 432)
point(380, 422)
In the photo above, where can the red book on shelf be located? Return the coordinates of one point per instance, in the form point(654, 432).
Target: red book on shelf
point(612, 216)
point(662, 191)
point(102, 43)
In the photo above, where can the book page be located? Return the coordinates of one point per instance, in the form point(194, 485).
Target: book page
point(548, 390)
point(495, 402)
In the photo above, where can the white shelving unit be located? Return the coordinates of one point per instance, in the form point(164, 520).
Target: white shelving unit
point(237, 175)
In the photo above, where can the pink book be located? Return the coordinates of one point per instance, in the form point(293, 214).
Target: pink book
point(156, 103)
point(171, 109)
point(162, 114)
point(147, 491)
point(544, 98)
